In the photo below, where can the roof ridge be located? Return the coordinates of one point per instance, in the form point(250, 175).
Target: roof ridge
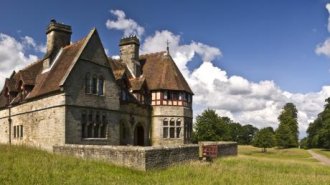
point(65, 47)
point(75, 43)
point(154, 53)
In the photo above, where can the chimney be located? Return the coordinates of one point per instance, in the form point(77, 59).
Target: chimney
point(129, 54)
point(58, 36)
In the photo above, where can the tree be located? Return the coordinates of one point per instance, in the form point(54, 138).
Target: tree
point(247, 134)
point(284, 137)
point(264, 139)
point(209, 127)
point(313, 131)
point(319, 130)
point(303, 143)
point(288, 127)
point(234, 131)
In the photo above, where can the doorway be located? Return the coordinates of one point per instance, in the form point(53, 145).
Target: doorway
point(139, 135)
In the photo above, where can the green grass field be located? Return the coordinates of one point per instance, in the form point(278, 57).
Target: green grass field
point(22, 165)
point(323, 152)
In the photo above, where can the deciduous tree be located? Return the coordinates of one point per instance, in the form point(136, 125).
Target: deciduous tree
point(264, 139)
point(288, 127)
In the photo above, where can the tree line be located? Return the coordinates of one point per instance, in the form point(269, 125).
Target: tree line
point(318, 132)
point(209, 126)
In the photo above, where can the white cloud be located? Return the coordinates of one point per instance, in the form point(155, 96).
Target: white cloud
point(29, 42)
point(182, 53)
point(324, 48)
point(12, 55)
point(328, 8)
point(129, 26)
point(243, 101)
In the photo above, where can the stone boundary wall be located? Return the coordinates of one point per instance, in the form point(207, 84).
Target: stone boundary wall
point(142, 158)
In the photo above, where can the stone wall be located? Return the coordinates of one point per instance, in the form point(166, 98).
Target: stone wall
point(142, 158)
point(42, 120)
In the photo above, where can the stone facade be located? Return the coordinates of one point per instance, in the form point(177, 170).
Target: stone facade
point(160, 113)
point(79, 96)
point(43, 122)
point(143, 158)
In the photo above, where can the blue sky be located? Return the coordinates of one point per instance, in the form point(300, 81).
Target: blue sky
point(258, 40)
point(272, 39)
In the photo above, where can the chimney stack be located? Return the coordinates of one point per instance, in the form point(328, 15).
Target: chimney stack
point(129, 54)
point(58, 36)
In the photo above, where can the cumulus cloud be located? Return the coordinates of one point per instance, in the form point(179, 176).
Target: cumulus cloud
point(244, 101)
point(129, 26)
point(324, 48)
point(256, 103)
point(328, 8)
point(183, 53)
point(13, 54)
point(29, 42)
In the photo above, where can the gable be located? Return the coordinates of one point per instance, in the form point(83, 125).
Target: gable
point(94, 50)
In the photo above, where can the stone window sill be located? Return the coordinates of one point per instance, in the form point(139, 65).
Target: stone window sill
point(94, 139)
point(100, 95)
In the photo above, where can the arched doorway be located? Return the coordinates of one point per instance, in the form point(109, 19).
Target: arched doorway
point(139, 135)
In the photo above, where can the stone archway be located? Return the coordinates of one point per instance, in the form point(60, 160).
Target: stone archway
point(139, 135)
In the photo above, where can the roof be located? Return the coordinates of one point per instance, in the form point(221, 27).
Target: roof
point(137, 83)
point(28, 75)
point(49, 81)
point(161, 73)
point(118, 68)
point(44, 82)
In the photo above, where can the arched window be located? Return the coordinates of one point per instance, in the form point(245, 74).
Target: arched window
point(88, 83)
point(94, 84)
point(172, 128)
point(97, 125)
point(178, 128)
point(83, 125)
point(90, 125)
point(101, 86)
point(104, 127)
point(165, 128)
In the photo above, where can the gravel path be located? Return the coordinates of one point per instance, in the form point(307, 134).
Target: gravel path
point(324, 160)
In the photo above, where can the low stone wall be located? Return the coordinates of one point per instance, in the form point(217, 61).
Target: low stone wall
point(142, 158)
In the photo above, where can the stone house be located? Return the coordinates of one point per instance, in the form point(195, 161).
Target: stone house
point(76, 94)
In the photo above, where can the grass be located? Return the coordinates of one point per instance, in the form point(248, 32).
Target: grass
point(22, 165)
point(324, 152)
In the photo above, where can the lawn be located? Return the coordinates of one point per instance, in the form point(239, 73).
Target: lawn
point(22, 165)
point(325, 152)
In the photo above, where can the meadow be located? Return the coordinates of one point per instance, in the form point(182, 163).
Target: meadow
point(324, 152)
point(23, 165)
